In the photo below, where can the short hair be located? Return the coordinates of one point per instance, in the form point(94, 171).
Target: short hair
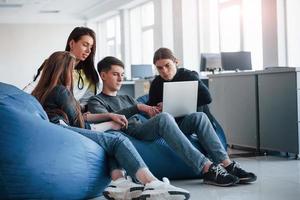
point(163, 53)
point(105, 64)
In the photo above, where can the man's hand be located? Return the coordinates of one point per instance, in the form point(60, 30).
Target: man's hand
point(115, 126)
point(120, 119)
point(160, 106)
point(151, 111)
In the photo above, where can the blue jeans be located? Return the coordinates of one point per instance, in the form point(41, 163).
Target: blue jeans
point(120, 151)
point(164, 125)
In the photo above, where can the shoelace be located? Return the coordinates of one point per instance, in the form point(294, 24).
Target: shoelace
point(236, 165)
point(166, 180)
point(129, 178)
point(220, 170)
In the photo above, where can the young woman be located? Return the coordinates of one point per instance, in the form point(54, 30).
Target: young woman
point(54, 92)
point(82, 44)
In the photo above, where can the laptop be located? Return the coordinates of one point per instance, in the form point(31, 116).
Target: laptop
point(180, 98)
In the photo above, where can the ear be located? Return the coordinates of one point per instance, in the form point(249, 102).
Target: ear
point(103, 76)
point(71, 44)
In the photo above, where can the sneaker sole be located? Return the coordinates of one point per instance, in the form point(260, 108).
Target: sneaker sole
point(221, 185)
point(118, 194)
point(247, 180)
point(165, 196)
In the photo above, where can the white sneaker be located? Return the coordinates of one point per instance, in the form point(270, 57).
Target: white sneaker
point(123, 189)
point(163, 190)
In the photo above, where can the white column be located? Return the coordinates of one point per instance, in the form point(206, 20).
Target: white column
point(178, 29)
point(189, 34)
point(293, 32)
point(125, 41)
point(270, 34)
point(282, 34)
point(164, 24)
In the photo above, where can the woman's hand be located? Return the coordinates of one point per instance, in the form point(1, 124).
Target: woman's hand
point(119, 119)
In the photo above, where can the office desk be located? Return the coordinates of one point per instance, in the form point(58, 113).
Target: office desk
point(127, 88)
point(135, 88)
point(235, 106)
point(279, 114)
point(259, 109)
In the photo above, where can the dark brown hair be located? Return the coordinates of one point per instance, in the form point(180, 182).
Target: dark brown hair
point(88, 65)
point(57, 70)
point(105, 64)
point(163, 53)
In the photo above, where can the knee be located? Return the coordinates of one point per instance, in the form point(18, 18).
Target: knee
point(166, 117)
point(119, 137)
point(199, 116)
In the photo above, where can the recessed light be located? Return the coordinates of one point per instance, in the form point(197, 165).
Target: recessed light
point(49, 11)
point(11, 5)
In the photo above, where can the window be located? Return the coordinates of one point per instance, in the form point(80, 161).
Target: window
point(142, 33)
point(230, 30)
point(252, 32)
point(239, 28)
point(209, 26)
point(110, 37)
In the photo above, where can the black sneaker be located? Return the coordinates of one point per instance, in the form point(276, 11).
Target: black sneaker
point(217, 175)
point(245, 177)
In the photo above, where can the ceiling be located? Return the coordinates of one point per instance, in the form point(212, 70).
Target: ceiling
point(47, 10)
point(60, 11)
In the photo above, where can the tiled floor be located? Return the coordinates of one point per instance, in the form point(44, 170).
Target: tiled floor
point(278, 179)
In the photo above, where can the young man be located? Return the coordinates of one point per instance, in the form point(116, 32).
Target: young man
point(163, 125)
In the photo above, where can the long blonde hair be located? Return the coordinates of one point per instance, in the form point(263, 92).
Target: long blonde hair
point(58, 70)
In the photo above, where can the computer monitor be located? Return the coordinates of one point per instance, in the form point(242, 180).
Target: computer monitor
point(236, 60)
point(141, 71)
point(210, 62)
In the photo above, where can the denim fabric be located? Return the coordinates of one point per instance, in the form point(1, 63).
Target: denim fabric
point(120, 150)
point(164, 125)
point(199, 124)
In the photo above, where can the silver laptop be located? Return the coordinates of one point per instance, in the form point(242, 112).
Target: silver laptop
point(180, 98)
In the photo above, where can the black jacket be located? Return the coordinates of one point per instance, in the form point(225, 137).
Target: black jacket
point(60, 104)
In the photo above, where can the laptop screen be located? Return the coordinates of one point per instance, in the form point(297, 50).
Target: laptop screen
point(180, 98)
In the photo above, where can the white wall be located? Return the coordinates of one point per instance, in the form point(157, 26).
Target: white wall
point(25, 46)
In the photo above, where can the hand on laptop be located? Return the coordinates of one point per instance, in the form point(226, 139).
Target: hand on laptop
point(160, 106)
point(151, 111)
